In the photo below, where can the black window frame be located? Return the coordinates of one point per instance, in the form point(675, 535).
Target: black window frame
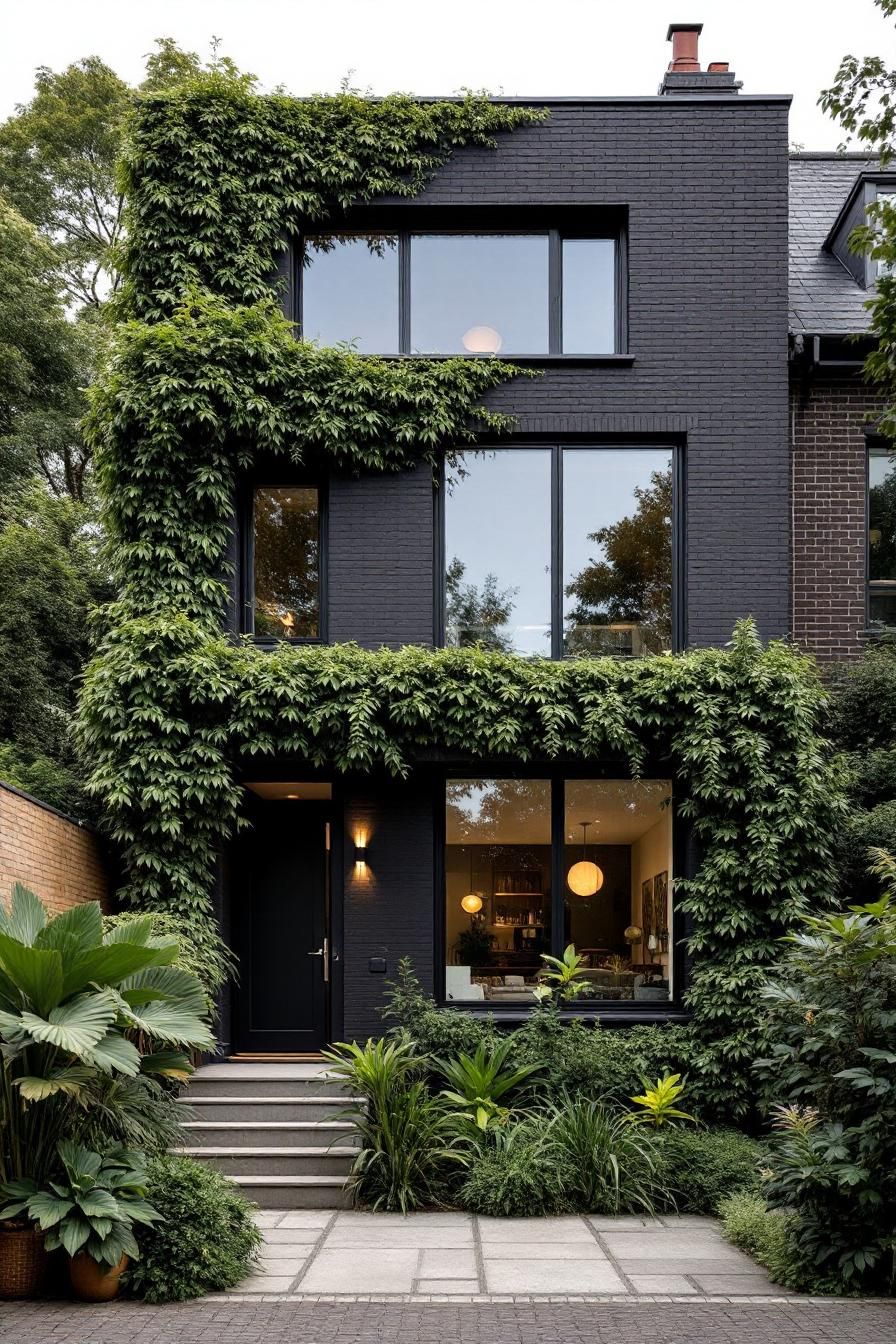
point(246, 510)
point(680, 866)
point(615, 230)
point(557, 448)
point(875, 587)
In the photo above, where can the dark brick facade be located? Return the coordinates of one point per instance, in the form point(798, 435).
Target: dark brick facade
point(830, 412)
point(703, 184)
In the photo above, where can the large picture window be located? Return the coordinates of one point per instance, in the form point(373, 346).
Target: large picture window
point(560, 551)
point(463, 293)
point(285, 562)
point(532, 865)
point(882, 537)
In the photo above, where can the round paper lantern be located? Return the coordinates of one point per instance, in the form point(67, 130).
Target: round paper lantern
point(481, 341)
point(472, 903)
point(585, 878)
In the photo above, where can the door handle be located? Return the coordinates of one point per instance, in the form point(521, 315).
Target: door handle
point(324, 953)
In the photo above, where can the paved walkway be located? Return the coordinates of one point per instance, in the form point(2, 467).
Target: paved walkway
point(429, 1257)
point(635, 1322)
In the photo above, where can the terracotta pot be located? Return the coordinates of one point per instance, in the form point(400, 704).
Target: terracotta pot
point(92, 1282)
point(23, 1260)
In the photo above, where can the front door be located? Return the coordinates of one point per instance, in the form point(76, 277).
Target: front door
point(281, 929)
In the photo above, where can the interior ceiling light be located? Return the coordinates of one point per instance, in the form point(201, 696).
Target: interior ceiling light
point(472, 903)
point(584, 878)
point(482, 341)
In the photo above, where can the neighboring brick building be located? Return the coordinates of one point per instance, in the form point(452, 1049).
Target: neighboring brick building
point(57, 857)
point(833, 408)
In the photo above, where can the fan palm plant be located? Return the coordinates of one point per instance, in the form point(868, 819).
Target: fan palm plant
point(76, 1009)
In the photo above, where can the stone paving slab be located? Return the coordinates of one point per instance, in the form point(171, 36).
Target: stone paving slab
point(353, 1256)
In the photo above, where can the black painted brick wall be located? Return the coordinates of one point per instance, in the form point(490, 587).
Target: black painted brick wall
point(388, 910)
point(705, 183)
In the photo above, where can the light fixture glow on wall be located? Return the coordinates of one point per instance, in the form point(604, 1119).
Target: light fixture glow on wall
point(584, 878)
point(472, 903)
point(360, 850)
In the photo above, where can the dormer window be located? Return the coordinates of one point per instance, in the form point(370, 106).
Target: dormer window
point(869, 188)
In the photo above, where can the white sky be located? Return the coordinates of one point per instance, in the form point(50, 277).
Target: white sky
point(439, 46)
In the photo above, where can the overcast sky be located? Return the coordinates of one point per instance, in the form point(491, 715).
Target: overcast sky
point(439, 46)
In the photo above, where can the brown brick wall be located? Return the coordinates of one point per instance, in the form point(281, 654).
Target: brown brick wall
point(58, 859)
point(830, 410)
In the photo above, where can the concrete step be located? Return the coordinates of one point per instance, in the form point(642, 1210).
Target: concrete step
point(281, 1162)
point(263, 1080)
point(226, 1108)
point(295, 1192)
point(249, 1133)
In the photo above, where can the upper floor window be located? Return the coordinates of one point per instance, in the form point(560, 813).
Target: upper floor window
point(882, 536)
point(560, 551)
point(285, 562)
point(451, 293)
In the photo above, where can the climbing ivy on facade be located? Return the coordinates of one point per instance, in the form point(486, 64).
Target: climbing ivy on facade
point(208, 377)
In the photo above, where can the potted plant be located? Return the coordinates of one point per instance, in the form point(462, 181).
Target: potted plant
point(89, 1211)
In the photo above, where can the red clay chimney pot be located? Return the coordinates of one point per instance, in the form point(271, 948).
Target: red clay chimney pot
point(717, 67)
point(684, 37)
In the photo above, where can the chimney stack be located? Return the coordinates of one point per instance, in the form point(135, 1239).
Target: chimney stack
point(684, 75)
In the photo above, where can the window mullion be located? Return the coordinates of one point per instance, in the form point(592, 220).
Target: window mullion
point(404, 293)
point(555, 293)
point(558, 821)
point(557, 552)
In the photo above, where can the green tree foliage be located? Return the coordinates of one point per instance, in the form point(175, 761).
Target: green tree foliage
point(476, 615)
point(863, 726)
point(831, 1067)
point(50, 578)
point(632, 578)
point(862, 99)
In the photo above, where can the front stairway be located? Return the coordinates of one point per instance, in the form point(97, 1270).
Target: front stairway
point(274, 1129)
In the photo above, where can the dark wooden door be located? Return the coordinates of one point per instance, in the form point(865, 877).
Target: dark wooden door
point(281, 925)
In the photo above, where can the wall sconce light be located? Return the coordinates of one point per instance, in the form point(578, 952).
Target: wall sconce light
point(360, 851)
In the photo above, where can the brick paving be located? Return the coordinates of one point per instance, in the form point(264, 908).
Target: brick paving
point(798, 1321)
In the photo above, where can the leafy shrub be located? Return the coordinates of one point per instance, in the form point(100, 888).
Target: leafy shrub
point(701, 1167)
point(831, 1027)
point(79, 1008)
point(769, 1237)
point(607, 1164)
point(212, 971)
point(208, 1240)
point(436, 1032)
point(410, 1145)
point(863, 830)
point(513, 1176)
point(480, 1081)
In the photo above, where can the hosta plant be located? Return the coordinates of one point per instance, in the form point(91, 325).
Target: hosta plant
point(77, 1009)
point(91, 1205)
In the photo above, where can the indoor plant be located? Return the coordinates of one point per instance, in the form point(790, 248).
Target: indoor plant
point(89, 1210)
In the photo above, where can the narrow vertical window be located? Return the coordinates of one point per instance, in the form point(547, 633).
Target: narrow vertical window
point(286, 562)
point(882, 537)
point(498, 551)
point(617, 551)
point(589, 296)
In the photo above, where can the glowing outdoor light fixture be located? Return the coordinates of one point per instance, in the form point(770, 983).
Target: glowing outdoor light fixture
point(584, 878)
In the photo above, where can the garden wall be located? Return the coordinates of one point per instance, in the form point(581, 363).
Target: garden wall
point(59, 858)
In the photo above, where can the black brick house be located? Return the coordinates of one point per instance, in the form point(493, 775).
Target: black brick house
point(636, 251)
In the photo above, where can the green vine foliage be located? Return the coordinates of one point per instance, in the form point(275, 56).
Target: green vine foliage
point(206, 378)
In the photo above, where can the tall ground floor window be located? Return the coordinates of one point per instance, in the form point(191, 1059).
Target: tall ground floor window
point(532, 865)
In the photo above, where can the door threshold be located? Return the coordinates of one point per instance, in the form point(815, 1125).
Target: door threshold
point(275, 1058)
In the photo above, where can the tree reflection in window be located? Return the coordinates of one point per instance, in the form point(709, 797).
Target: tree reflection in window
point(477, 615)
point(287, 563)
point(620, 602)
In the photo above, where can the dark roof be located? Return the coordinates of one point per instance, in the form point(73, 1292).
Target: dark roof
point(825, 300)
